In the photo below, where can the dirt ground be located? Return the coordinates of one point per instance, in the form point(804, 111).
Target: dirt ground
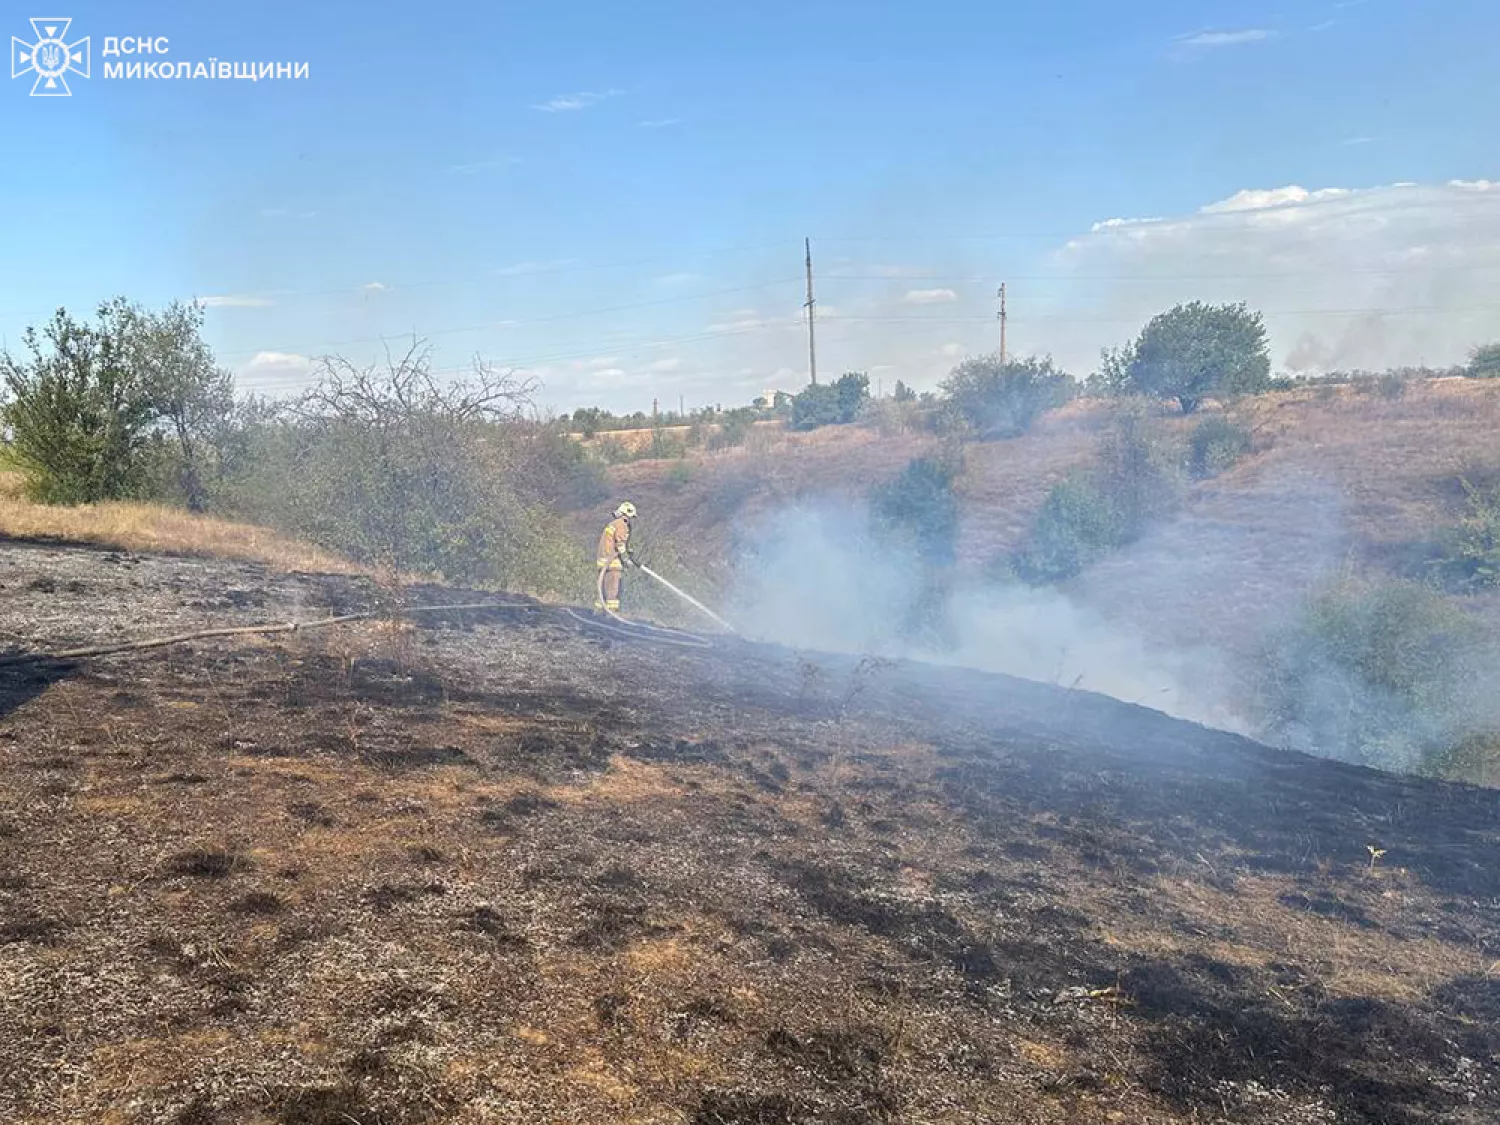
point(502, 867)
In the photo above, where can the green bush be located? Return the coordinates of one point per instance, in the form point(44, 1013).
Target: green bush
point(920, 507)
point(1216, 445)
point(1379, 675)
point(679, 475)
point(1138, 468)
point(666, 445)
point(1471, 551)
point(1391, 385)
point(1077, 524)
point(734, 428)
point(1002, 400)
point(1474, 759)
point(1089, 514)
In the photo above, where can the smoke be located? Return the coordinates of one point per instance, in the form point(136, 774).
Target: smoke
point(821, 580)
point(1250, 619)
point(1391, 276)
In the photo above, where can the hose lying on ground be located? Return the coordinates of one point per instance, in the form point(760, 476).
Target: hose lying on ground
point(633, 630)
point(252, 630)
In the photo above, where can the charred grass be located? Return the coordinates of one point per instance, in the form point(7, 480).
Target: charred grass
point(518, 872)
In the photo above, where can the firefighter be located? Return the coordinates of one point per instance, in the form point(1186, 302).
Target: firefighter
point(613, 556)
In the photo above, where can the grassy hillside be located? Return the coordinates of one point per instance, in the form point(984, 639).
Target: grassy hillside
point(1342, 481)
point(154, 527)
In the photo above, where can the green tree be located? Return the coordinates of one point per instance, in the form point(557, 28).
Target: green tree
point(191, 397)
point(1003, 399)
point(1195, 350)
point(78, 409)
point(903, 393)
point(853, 390)
point(1484, 362)
point(96, 407)
point(1216, 445)
point(827, 404)
point(589, 420)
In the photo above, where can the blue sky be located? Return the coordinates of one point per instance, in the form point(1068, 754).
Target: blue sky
point(615, 196)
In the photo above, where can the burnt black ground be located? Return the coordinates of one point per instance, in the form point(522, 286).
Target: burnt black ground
point(501, 867)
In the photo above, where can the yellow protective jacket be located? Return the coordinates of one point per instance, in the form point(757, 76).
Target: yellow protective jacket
point(613, 542)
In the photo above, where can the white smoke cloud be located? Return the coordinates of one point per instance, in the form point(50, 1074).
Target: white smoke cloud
point(1369, 277)
point(819, 582)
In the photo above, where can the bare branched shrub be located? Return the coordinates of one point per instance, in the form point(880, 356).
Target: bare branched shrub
point(411, 473)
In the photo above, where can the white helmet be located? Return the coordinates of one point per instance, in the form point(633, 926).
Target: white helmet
point(626, 509)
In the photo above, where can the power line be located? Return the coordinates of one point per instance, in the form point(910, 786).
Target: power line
point(629, 346)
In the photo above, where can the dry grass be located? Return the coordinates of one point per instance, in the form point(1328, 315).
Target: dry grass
point(159, 529)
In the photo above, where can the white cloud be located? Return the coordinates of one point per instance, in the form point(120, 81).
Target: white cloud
point(1107, 223)
point(929, 297)
point(1253, 199)
point(234, 301)
point(275, 371)
point(1324, 26)
point(1366, 277)
point(666, 366)
point(659, 123)
point(950, 351)
point(1226, 38)
point(1351, 141)
point(375, 287)
point(600, 363)
point(565, 103)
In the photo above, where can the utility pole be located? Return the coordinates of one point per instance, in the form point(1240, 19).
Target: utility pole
point(1001, 295)
point(812, 348)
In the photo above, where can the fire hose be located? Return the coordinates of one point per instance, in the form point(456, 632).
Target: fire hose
point(643, 631)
